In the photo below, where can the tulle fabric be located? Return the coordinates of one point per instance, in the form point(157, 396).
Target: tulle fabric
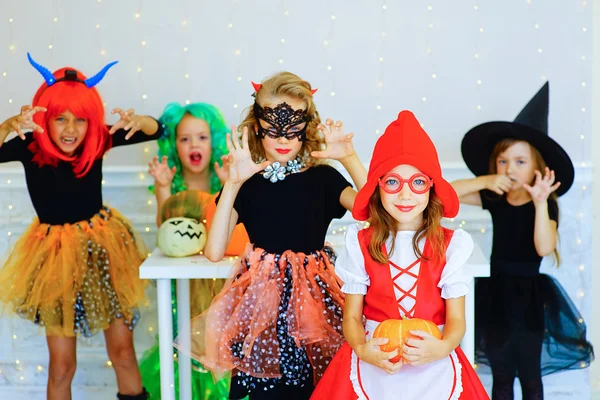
point(513, 308)
point(76, 278)
point(269, 298)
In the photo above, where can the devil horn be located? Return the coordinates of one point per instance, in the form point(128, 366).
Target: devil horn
point(313, 91)
point(94, 80)
point(256, 86)
point(45, 72)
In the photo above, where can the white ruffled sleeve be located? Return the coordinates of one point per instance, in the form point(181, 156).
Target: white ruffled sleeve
point(454, 283)
point(350, 265)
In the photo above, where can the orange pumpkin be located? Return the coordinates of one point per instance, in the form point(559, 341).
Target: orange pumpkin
point(397, 331)
point(239, 237)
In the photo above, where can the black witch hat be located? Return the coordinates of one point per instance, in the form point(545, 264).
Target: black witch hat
point(531, 125)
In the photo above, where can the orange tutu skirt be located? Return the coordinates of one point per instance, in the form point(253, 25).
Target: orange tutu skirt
point(76, 278)
point(278, 318)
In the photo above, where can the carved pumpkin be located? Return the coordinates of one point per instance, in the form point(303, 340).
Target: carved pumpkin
point(200, 206)
point(397, 330)
point(182, 231)
point(181, 237)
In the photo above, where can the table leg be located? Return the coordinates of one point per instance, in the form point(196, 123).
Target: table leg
point(468, 342)
point(184, 339)
point(165, 339)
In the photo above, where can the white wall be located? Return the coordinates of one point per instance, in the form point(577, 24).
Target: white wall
point(509, 65)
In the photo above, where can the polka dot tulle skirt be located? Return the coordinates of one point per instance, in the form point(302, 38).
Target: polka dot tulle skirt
point(76, 279)
point(278, 320)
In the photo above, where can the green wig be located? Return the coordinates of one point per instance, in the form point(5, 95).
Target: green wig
point(171, 116)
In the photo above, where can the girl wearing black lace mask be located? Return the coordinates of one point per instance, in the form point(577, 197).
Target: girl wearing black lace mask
point(278, 321)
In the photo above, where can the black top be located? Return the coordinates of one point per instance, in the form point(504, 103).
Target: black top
point(292, 214)
point(58, 196)
point(513, 248)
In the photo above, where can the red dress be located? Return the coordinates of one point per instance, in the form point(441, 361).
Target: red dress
point(348, 378)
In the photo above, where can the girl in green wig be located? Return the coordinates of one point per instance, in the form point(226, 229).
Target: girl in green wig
point(188, 159)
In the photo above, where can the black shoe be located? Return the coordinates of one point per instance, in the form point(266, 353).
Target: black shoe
point(142, 396)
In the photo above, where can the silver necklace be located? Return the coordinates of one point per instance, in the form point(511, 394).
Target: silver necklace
point(277, 172)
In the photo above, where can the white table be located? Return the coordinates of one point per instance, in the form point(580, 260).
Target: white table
point(164, 269)
point(478, 266)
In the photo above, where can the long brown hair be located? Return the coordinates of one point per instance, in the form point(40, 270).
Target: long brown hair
point(286, 84)
point(383, 225)
point(539, 164)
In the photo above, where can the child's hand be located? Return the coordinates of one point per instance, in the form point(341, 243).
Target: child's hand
point(425, 350)
point(241, 165)
point(339, 144)
point(23, 121)
point(163, 175)
point(371, 353)
point(542, 187)
point(222, 171)
point(498, 183)
point(129, 122)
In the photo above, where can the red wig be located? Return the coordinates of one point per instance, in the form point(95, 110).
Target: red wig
point(81, 101)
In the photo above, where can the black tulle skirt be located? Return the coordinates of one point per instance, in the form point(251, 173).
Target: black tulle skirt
point(522, 313)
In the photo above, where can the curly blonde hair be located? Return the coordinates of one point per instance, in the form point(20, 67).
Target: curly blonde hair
point(285, 84)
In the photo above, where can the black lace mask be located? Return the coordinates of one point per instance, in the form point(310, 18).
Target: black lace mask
point(284, 121)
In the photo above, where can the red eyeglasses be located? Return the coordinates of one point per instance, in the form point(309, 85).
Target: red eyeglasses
point(393, 183)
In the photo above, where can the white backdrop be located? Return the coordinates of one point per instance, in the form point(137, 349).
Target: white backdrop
point(454, 63)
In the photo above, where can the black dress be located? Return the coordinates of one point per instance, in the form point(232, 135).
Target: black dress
point(285, 219)
point(75, 269)
point(526, 325)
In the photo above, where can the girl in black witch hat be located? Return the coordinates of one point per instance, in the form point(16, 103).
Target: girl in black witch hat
point(526, 325)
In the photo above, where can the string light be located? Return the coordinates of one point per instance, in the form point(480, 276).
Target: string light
point(380, 78)
point(328, 60)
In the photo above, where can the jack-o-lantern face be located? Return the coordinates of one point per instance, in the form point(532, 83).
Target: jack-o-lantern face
point(181, 237)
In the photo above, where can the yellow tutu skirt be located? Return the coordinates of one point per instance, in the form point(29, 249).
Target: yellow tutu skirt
point(76, 278)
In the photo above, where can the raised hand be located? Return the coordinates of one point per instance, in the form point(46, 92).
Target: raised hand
point(24, 120)
point(424, 349)
point(498, 183)
point(128, 121)
point(339, 144)
point(542, 187)
point(241, 165)
point(163, 175)
point(222, 171)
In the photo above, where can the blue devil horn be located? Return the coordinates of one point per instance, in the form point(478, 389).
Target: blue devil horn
point(45, 72)
point(94, 80)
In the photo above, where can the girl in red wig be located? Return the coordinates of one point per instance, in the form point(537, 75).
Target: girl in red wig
point(75, 269)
